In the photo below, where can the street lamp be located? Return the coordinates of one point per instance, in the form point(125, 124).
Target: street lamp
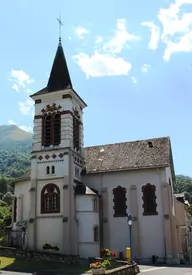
point(130, 223)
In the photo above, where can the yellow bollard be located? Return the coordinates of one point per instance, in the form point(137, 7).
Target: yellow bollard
point(128, 254)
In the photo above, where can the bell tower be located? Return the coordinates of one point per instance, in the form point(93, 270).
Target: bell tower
point(56, 161)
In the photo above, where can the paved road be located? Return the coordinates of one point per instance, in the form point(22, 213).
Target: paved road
point(145, 270)
point(152, 270)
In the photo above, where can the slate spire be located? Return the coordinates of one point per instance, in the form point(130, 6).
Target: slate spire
point(59, 78)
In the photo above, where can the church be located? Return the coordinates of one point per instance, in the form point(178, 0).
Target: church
point(75, 200)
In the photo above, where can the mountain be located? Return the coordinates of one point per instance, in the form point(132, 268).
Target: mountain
point(12, 136)
point(15, 149)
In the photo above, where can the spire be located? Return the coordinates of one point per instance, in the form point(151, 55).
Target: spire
point(59, 78)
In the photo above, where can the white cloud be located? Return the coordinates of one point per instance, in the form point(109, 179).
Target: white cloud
point(176, 27)
point(26, 107)
point(10, 121)
point(102, 64)
point(80, 32)
point(121, 38)
point(99, 40)
point(155, 34)
point(106, 61)
point(25, 128)
point(21, 79)
point(134, 80)
point(145, 68)
point(21, 82)
point(15, 87)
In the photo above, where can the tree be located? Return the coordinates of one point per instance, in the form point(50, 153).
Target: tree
point(8, 197)
point(5, 215)
point(184, 185)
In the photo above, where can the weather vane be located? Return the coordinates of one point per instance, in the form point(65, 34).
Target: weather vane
point(60, 24)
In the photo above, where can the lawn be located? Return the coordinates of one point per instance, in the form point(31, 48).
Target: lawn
point(13, 264)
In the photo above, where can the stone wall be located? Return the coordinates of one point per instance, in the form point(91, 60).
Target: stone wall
point(124, 270)
point(45, 256)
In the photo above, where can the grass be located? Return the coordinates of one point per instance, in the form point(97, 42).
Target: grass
point(13, 264)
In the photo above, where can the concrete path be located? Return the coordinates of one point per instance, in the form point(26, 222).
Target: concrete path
point(165, 270)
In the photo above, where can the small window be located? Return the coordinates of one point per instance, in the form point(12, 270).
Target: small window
point(47, 170)
point(53, 169)
point(120, 202)
point(95, 205)
point(96, 233)
point(149, 200)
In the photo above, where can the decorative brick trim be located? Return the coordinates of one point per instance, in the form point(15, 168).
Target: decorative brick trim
point(33, 157)
point(65, 112)
point(37, 101)
point(67, 96)
point(38, 117)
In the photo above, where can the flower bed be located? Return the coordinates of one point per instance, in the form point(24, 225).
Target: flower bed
point(108, 264)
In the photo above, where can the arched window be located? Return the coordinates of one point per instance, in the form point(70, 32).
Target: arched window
point(76, 130)
point(47, 130)
point(57, 129)
point(51, 129)
point(95, 204)
point(149, 200)
point(120, 207)
point(47, 170)
point(53, 169)
point(96, 233)
point(15, 210)
point(50, 199)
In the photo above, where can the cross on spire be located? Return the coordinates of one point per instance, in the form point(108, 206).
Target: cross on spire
point(60, 25)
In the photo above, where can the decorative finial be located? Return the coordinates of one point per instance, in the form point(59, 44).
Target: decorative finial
point(60, 24)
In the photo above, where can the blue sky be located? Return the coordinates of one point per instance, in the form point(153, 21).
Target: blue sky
point(131, 61)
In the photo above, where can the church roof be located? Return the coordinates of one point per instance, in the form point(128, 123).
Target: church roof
point(59, 78)
point(138, 154)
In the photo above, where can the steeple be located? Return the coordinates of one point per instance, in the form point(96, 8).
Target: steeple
point(59, 78)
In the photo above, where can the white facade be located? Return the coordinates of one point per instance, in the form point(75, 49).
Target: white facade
point(151, 228)
point(88, 220)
